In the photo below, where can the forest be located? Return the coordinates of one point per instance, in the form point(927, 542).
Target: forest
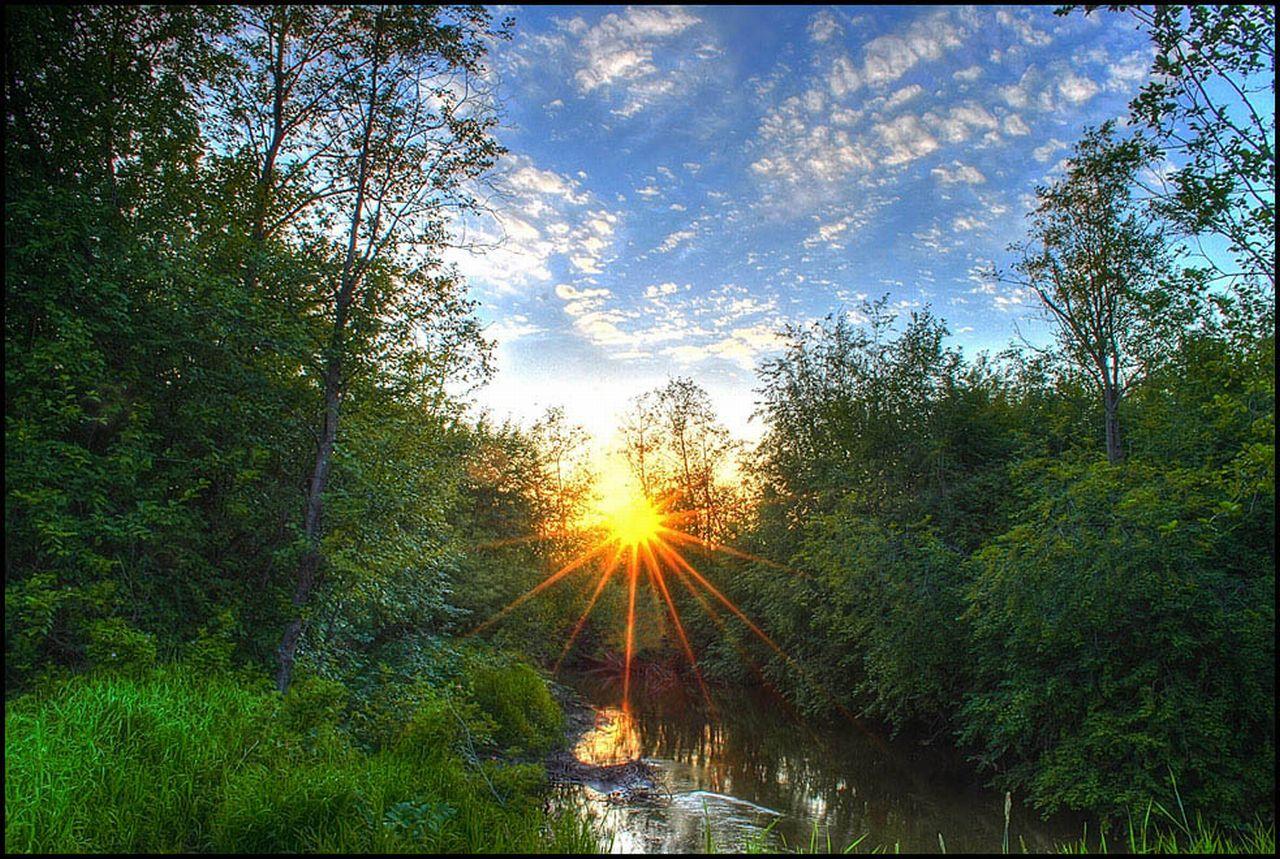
point(273, 583)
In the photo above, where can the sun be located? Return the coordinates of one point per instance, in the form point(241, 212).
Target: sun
point(633, 521)
point(635, 539)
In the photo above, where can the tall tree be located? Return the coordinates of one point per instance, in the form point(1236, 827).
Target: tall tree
point(407, 134)
point(563, 483)
point(677, 446)
point(1095, 260)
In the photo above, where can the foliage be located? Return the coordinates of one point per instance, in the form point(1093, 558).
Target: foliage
point(892, 597)
point(517, 699)
point(1123, 627)
point(172, 762)
point(1205, 108)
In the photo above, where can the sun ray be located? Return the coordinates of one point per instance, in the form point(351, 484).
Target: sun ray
point(681, 536)
point(550, 580)
point(656, 577)
point(604, 580)
point(715, 592)
point(642, 532)
point(631, 627)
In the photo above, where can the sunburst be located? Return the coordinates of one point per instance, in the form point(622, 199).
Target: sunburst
point(643, 538)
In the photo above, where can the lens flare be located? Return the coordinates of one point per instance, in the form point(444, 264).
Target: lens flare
point(645, 537)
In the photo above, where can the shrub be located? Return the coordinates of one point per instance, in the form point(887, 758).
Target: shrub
point(1124, 633)
point(527, 719)
point(892, 598)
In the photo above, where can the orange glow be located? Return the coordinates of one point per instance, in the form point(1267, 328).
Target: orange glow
point(634, 522)
point(614, 739)
point(646, 537)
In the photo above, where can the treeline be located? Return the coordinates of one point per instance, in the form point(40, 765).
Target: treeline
point(229, 339)
point(237, 455)
point(1062, 557)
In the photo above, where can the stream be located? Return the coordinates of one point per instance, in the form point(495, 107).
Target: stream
point(752, 774)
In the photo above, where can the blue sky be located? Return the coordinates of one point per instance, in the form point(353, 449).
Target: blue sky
point(683, 182)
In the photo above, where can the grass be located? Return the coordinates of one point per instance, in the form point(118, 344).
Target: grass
point(174, 762)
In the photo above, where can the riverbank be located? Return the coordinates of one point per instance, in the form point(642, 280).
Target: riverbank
point(175, 760)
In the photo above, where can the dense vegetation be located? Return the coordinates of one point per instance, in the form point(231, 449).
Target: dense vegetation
point(248, 516)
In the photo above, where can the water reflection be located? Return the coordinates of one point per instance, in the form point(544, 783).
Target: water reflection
point(614, 739)
point(737, 769)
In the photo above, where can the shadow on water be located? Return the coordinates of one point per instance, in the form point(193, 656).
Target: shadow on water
point(749, 771)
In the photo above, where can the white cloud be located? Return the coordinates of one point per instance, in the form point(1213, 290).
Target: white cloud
point(1013, 126)
point(968, 223)
point(536, 217)
point(889, 57)
point(674, 240)
point(823, 27)
point(1047, 151)
point(905, 139)
point(959, 173)
point(620, 47)
point(1023, 27)
point(1076, 88)
point(903, 96)
point(1129, 72)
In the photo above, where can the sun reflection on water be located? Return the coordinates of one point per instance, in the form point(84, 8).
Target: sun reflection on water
point(615, 739)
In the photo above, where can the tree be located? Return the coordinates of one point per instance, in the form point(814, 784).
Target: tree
point(1206, 105)
point(677, 447)
point(1095, 260)
point(562, 483)
point(405, 136)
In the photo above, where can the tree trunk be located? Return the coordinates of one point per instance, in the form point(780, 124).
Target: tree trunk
point(1110, 408)
point(309, 566)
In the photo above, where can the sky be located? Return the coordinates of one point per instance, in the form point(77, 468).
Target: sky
point(683, 182)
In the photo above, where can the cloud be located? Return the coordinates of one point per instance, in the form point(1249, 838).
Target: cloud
point(958, 124)
point(968, 223)
point(905, 139)
point(903, 96)
point(1023, 27)
point(535, 218)
point(619, 55)
point(889, 57)
point(674, 240)
point(823, 27)
point(1013, 126)
point(959, 173)
point(1129, 72)
point(1047, 151)
point(1076, 88)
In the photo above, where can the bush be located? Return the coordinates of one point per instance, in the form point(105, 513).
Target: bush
point(527, 719)
point(1124, 634)
point(893, 599)
point(113, 644)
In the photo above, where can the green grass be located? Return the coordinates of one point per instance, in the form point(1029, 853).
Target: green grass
point(172, 762)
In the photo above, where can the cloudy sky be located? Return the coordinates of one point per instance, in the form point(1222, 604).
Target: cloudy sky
point(682, 182)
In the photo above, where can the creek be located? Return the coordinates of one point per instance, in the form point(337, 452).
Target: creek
point(751, 773)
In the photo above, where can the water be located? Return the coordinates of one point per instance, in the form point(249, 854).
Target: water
point(754, 775)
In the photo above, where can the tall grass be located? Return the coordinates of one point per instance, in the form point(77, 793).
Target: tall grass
point(172, 762)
